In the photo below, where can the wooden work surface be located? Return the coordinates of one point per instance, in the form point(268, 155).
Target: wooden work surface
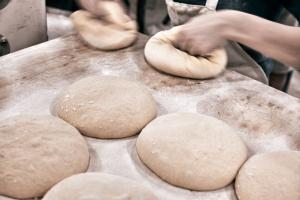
point(267, 119)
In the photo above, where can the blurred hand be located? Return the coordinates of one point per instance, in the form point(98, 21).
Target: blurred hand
point(94, 7)
point(202, 34)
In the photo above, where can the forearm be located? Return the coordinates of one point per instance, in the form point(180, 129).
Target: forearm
point(271, 39)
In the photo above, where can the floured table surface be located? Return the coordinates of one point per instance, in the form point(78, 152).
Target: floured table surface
point(268, 120)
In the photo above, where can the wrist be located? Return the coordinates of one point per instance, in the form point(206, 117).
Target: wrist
point(231, 22)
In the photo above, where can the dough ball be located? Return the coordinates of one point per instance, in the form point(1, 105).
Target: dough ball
point(270, 176)
point(36, 152)
point(192, 151)
point(161, 53)
point(98, 186)
point(107, 107)
point(113, 30)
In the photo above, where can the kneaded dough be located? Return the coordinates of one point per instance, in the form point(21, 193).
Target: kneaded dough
point(270, 176)
point(99, 186)
point(111, 31)
point(107, 106)
point(192, 151)
point(36, 152)
point(161, 53)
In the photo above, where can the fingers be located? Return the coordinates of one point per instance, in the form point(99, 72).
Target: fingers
point(197, 46)
point(102, 8)
point(186, 41)
point(198, 41)
point(183, 39)
point(195, 51)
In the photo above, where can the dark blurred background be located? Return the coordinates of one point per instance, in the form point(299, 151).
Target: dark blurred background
point(63, 4)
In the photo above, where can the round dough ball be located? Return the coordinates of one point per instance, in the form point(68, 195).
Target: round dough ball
point(270, 176)
point(161, 53)
point(98, 186)
point(36, 152)
point(192, 151)
point(107, 107)
point(113, 30)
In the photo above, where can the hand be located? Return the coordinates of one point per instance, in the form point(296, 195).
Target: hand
point(202, 34)
point(88, 5)
point(94, 6)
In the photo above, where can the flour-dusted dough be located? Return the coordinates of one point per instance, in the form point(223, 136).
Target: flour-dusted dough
point(192, 151)
point(99, 186)
point(36, 152)
point(161, 53)
point(107, 106)
point(113, 30)
point(270, 176)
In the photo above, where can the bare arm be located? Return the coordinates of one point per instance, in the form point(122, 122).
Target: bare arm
point(272, 39)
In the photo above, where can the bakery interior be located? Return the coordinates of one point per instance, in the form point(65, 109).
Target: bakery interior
point(149, 100)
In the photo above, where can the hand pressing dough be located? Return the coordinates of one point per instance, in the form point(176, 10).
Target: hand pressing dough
point(192, 151)
point(99, 186)
point(107, 107)
point(161, 53)
point(36, 152)
point(270, 176)
point(114, 13)
point(111, 31)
